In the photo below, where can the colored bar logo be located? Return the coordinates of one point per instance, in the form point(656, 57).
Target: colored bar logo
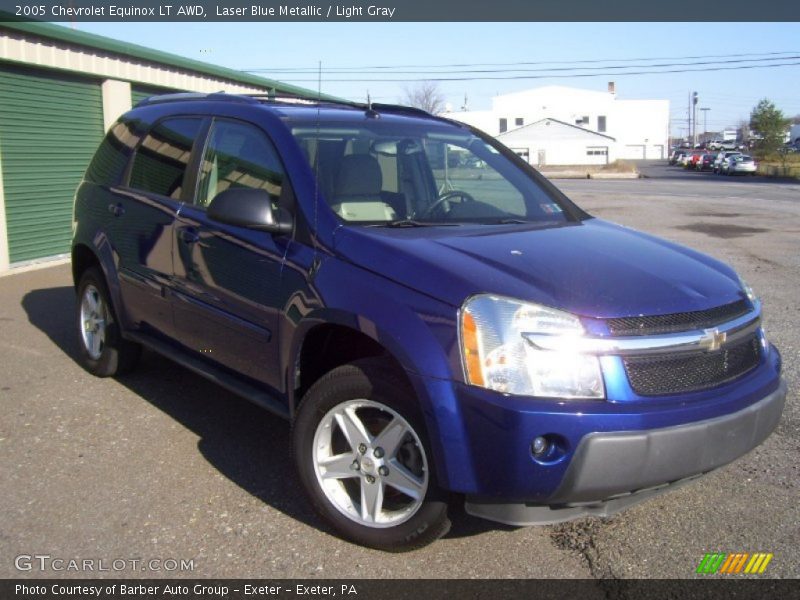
point(729, 564)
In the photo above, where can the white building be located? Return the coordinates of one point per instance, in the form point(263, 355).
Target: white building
point(638, 128)
point(553, 142)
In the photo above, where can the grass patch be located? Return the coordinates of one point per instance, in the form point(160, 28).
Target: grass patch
point(619, 166)
point(780, 165)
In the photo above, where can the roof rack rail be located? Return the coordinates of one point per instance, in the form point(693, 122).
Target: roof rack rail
point(400, 108)
point(351, 103)
point(184, 96)
point(259, 97)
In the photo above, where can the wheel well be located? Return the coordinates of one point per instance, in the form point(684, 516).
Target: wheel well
point(82, 259)
point(329, 346)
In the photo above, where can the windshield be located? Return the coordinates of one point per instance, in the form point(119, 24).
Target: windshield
point(382, 173)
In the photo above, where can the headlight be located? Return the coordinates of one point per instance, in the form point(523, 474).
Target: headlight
point(496, 356)
point(751, 295)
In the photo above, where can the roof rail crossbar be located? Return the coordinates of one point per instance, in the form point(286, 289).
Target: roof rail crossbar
point(377, 106)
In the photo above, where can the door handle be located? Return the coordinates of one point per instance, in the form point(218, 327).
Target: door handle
point(116, 209)
point(189, 235)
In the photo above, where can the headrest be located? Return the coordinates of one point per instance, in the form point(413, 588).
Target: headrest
point(359, 175)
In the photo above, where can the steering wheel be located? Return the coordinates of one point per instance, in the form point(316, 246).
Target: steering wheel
point(465, 197)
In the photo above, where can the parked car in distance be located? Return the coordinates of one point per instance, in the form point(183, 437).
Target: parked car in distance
point(731, 145)
point(680, 157)
point(719, 161)
point(433, 335)
point(715, 145)
point(694, 157)
point(705, 162)
point(740, 164)
point(675, 156)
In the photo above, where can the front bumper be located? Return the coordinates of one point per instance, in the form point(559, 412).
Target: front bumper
point(611, 471)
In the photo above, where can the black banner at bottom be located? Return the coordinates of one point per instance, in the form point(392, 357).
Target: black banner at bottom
point(400, 589)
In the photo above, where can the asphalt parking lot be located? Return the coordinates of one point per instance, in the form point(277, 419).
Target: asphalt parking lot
point(161, 464)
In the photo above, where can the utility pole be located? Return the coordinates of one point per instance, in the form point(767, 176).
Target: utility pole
point(694, 118)
point(705, 123)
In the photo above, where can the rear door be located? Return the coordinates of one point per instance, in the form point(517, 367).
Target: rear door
point(144, 212)
point(228, 278)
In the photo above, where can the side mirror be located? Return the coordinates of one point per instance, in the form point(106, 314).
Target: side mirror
point(250, 208)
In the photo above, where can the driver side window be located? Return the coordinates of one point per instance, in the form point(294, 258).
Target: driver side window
point(238, 155)
point(457, 169)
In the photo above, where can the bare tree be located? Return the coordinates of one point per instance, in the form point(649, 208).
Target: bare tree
point(743, 130)
point(425, 95)
point(796, 119)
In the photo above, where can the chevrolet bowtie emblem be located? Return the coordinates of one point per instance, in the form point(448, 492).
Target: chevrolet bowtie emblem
point(712, 339)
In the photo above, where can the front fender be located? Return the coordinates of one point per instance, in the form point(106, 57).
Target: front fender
point(418, 331)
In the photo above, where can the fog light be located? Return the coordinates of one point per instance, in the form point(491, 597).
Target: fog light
point(539, 447)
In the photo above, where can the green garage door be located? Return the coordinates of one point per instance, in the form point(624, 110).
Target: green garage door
point(50, 126)
point(140, 92)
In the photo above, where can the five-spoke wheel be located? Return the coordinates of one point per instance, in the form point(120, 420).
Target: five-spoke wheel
point(103, 351)
point(370, 463)
point(362, 455)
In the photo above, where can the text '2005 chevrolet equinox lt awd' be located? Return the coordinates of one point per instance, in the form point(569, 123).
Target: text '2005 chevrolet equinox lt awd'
point(434, 318)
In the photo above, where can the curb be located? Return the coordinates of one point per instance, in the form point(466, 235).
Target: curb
point(588, 175)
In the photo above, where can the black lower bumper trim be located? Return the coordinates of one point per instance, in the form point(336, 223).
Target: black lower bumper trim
point(612, 471)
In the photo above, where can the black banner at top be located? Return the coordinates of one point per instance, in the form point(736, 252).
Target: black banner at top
point(397, 10)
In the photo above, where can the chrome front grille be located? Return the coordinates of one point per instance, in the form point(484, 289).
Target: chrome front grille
point(677, 353)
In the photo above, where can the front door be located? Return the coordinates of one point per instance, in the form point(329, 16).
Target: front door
point(228, 278)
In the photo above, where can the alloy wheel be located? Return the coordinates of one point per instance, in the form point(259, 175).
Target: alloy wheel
point(94, 319)
point(370, 463)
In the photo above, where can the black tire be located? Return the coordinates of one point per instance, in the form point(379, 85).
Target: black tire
point(373, 380)
point(117, 355)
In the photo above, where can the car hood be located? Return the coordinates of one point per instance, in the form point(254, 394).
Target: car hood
point(592, 268)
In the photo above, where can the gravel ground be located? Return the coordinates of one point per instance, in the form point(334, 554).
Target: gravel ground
point(162, 464)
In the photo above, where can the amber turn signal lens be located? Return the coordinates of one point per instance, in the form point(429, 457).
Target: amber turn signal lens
point(472, 357)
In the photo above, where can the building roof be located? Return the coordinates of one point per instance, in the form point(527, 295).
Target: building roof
point(562, 123)
point(99, 42)
point(561, 89)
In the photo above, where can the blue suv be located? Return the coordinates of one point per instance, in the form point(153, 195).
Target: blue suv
point(432, 316)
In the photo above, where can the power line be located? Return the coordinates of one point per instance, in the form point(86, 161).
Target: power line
point(514, 64)
point(557, 76)
point(567, 69)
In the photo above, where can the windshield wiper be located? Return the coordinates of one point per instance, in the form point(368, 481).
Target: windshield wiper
point(507, 222)
point(409, 223)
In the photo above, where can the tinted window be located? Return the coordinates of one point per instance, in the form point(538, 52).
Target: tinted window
point(160, 162)
point(112, 156)
point(238, 155)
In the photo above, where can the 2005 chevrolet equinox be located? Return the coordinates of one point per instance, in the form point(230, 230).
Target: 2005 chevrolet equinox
point(434, 318)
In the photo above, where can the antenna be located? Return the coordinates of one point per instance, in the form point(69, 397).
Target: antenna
point(370, 112)
point(314, 234)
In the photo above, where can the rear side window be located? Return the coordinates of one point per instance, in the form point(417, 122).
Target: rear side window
point(161, 160)
point(238, 155)
point(112, 156)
